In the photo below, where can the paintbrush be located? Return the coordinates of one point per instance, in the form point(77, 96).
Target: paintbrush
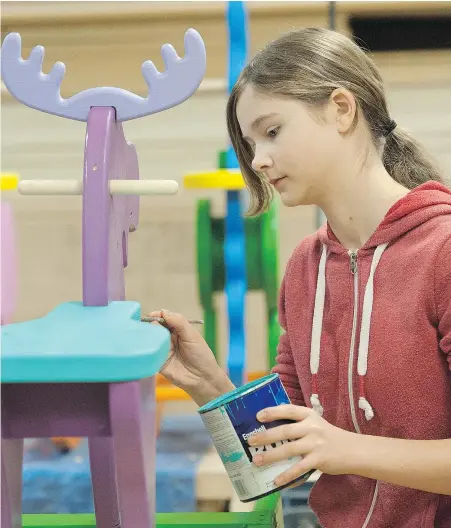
point(162, 320)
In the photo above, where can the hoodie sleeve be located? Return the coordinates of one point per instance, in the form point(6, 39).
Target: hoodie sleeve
point(285, 366)
point(442, 287)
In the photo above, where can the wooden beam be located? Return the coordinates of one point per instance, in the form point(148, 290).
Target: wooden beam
point(57, 13)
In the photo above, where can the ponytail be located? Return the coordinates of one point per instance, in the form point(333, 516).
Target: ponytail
point(407, 162)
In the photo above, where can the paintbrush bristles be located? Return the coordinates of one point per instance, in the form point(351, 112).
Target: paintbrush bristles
point(162, 320)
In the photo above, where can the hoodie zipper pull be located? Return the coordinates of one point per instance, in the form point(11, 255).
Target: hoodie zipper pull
point(353, 258)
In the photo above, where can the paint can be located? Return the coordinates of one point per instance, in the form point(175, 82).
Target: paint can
point(231, 420)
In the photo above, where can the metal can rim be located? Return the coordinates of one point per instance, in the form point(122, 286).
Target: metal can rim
point(237, 393)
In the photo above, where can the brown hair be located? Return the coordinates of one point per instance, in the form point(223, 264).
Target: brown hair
point(309, 64)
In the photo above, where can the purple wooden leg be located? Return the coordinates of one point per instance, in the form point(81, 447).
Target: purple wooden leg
point(11, 507)
point(132, 413)
point(106, 223)
point(103, 476)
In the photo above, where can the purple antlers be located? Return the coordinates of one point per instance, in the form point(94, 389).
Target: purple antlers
point(26, 82)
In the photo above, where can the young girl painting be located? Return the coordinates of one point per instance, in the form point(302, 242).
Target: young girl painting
point(365, 301)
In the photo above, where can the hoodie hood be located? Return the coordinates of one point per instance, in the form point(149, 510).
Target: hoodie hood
point(420, 205)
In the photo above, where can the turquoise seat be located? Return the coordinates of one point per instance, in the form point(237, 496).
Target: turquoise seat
point(76, 343)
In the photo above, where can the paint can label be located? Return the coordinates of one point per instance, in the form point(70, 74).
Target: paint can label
point(232, 423)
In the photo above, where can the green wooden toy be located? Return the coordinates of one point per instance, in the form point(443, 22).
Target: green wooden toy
point(261, 239)
point(267, 513)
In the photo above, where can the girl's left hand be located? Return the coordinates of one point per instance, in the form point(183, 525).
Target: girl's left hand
point(323, 446)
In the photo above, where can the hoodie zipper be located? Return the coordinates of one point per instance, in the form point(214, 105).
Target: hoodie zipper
point(354, 271)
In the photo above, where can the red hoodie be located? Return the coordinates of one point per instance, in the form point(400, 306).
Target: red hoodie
point(367, 343)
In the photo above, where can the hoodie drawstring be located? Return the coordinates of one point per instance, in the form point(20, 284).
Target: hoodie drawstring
point(362, 362)
point(318, 312)
point(315, 347)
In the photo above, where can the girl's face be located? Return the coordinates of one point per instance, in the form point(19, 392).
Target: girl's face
point(295, 150)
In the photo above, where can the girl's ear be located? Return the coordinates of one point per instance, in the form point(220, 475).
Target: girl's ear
point(343, 109)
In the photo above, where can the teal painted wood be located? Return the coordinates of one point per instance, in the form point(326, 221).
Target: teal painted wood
point(76, 343)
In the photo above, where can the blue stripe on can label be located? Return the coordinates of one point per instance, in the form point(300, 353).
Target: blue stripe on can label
point(231, 421)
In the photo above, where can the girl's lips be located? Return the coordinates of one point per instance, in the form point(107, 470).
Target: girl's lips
point(278, 181)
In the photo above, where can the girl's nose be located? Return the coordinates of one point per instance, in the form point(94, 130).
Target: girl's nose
point(261, 162)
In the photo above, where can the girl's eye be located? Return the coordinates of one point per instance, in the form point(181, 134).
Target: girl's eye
point(272, 132)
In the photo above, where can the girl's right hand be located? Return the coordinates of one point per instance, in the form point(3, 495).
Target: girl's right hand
point(191, 364)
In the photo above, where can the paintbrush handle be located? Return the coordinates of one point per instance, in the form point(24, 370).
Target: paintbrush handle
point(161, 320)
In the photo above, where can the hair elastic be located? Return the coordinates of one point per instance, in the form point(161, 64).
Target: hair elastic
point(390, 127)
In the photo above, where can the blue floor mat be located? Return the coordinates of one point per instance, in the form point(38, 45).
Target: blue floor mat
point(55, 483)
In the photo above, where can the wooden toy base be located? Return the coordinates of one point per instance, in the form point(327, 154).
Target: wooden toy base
point(267, 513)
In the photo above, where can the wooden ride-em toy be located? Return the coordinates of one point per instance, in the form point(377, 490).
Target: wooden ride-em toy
point(88, 368)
